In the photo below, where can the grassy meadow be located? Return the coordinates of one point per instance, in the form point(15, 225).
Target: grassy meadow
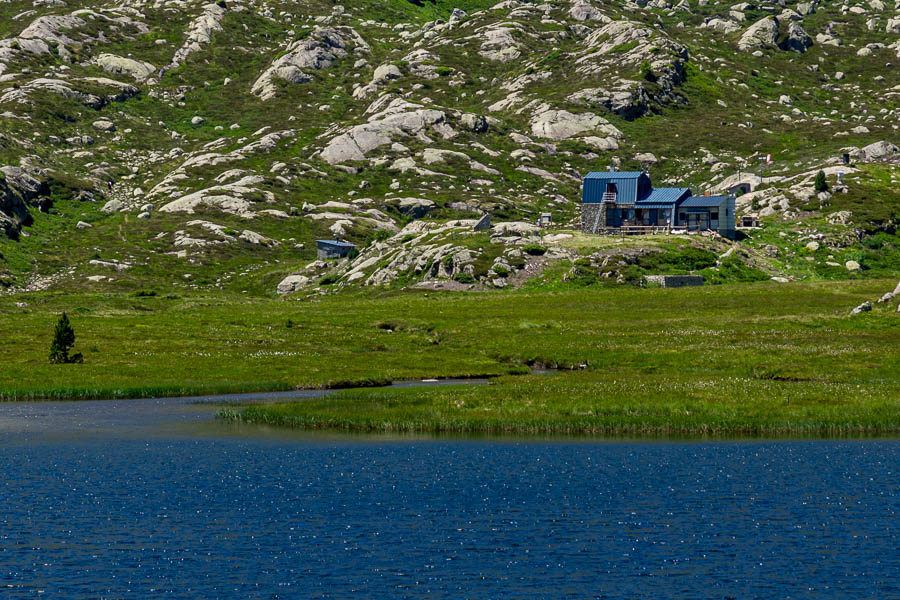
point(745, 358)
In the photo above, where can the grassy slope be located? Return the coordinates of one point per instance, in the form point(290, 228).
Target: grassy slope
point(736, 358)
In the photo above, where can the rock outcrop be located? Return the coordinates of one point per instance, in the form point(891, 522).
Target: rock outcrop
point(761, 35)
point(320, 50)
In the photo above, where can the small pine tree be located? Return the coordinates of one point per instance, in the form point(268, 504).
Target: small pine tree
point(63, 340)
point(821, 185)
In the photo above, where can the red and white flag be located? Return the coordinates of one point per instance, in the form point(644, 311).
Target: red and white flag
point(768, 158)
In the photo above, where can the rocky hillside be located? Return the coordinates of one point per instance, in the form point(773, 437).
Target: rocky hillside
point(173, 143)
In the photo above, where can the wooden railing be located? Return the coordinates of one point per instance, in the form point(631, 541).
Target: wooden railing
point(634, 230)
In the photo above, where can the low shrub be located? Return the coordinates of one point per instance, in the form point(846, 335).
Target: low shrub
point(534, 249)
point(463, 277)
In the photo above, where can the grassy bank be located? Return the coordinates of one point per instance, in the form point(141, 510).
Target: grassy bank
point(754, 358)
point(593, 403)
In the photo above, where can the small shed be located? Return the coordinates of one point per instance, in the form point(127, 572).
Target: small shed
point(702, 213)
point(326, 249)
point(545, 220)
point(749, 221)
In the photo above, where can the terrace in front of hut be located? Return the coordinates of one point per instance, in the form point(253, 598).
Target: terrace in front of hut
point(625, 202)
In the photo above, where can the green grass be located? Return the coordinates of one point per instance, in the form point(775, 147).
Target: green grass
point(747, 358)
point(592, 403)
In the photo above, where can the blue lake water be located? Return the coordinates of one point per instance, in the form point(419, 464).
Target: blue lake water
point(153, 499)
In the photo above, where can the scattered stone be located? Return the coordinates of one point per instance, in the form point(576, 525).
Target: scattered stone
point(864, 307)
point(104, 125)
point(292, 283)
point(385, 73)
point(852, 265)
point(82, 225)
point(113, 206)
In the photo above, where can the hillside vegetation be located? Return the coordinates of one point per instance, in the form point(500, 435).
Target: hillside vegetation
point(176, 144)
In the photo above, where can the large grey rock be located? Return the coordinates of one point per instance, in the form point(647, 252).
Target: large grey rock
point(584, 11)
point(852, 265)
point(893, 25)
point(320, 50)
point(515, 229)
point(762, 34)
point(385, 73)
point(879, 151)
point(234, 198)
point(498, 42)
point(112, 206)
point(104, 125)
point(415, 207)
point(723, 25)
point(117, 65)
point(117, 92)
point(797, 40)
point(251, 237)
point(18, 189)
point(475, 123)
point(562, 125)
point(401, 118)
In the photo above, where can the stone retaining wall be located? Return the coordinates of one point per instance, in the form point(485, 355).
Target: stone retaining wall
point(671, 281)
point(589, 215)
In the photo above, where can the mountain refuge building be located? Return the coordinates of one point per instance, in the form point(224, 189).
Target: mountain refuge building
point(626, 202)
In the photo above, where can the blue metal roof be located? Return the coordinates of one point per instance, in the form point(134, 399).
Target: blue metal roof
point(667, 196)
point(629, 186)
point(338, 243)
point(703, 202)
point(613, 175)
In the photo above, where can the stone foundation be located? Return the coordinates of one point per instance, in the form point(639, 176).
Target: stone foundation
point(589, 213)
